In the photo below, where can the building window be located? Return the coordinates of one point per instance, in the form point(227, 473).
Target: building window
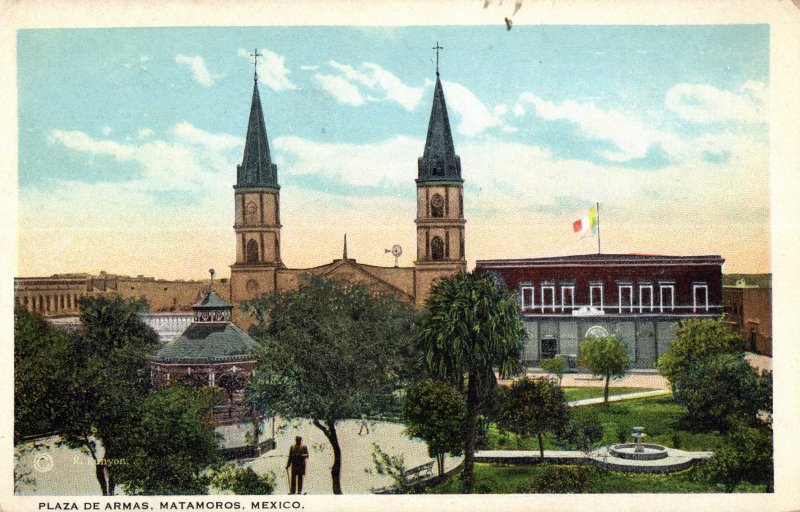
point(645, 297)
point(527, 297)
point(437, 249)
point(625, 298)
point(252, 251)
point(596, 296)
point(567, 298)
point(700, 297)
point(437, 206)
point(548, 298)
point(666, 294)
point(548, 348)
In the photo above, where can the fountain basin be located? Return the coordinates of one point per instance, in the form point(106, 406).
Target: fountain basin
point(628, 451)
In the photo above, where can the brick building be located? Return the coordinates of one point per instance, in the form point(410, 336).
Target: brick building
point(637, 298)
point(748, 309)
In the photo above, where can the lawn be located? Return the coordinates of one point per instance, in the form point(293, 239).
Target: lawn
point(511, 479)
point(583, 393)
point(659, 417)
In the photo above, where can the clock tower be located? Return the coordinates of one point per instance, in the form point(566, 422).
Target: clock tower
point(440, 202)
point(257, 221)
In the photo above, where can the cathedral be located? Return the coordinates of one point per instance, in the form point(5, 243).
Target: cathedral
point(259, 268)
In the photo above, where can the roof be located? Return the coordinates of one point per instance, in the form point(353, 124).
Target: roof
point(208, 342)
point(604, 259)
point(213, 301)
point(439, 161)
point(256, 169)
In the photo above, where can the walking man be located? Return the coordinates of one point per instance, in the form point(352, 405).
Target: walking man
point(298, 454)
point(363, 425)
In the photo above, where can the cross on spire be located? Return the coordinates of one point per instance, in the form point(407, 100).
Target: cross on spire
point(437, 48)
point(255, 56)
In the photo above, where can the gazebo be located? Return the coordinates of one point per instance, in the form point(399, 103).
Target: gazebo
point(212, 351)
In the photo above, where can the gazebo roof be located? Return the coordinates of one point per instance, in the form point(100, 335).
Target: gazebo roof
point(212, 301)
point(206, 342)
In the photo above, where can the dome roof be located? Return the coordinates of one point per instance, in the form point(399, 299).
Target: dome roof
point(208, 342)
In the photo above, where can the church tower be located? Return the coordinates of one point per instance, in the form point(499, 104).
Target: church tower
point(440, 202)
point(257, 212)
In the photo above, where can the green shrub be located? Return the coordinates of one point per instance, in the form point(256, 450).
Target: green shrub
point(556, 479)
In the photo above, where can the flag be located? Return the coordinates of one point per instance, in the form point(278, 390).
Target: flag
point(588, 224)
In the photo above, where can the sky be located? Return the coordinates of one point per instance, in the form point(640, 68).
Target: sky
point(129, 140)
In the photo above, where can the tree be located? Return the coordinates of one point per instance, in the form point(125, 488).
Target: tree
point(434, 412)
point(556, 366)
point(696, 339)
point(173, 444)
point(745, 456)
point(107, 378)
point(720, 391)
point(605, 356)
point(471, 326)
point(533, 407)
point(331, 352)
point(41, 370)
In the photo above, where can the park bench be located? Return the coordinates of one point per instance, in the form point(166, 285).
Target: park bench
point(418, 472)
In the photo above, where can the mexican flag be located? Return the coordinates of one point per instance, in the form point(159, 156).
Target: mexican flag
point(588, 224)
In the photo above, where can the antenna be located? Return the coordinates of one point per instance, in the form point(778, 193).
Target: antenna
point(396, 251)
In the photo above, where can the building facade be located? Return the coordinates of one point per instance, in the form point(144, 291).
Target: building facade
point(636, 298)
point(259, 268)
point(58, 295)
point(748, 309)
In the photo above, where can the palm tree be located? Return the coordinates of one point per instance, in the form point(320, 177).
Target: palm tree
point(471, 326)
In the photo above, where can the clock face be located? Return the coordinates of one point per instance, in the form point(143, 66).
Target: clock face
point(251, 208)
point(437, 201)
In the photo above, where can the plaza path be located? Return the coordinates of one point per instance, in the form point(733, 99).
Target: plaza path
point(73, 473)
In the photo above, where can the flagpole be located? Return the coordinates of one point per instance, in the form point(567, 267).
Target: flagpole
point(598, 228)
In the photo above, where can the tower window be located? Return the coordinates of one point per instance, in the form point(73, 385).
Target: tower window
point(252, 251)
point(437, 206)
point(437, 249)
point(438, 168)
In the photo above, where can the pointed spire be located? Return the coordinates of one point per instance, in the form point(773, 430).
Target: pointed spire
point(439, 161)
point(256, 169)
point(344, 252)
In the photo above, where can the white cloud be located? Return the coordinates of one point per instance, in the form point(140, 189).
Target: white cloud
point(475, 117)
point(369, 83)
point(396, 90)
point(500, 110)
point(144, 133)
point(80, 141)
point(702, 103)
point(309, 68)
point(198, 67)
point(341, 89)
point(631, 136)
point(380, 163)
point(193, 159)
point(106, 130)
point(144, 58)
point(218, 142)
point(272, 70)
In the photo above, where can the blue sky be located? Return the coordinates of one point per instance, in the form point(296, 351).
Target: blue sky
point(129, 139)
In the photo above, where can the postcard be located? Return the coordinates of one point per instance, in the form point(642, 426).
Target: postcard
point(511, 255)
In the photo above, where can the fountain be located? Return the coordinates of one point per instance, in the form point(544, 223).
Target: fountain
point(638, 450)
